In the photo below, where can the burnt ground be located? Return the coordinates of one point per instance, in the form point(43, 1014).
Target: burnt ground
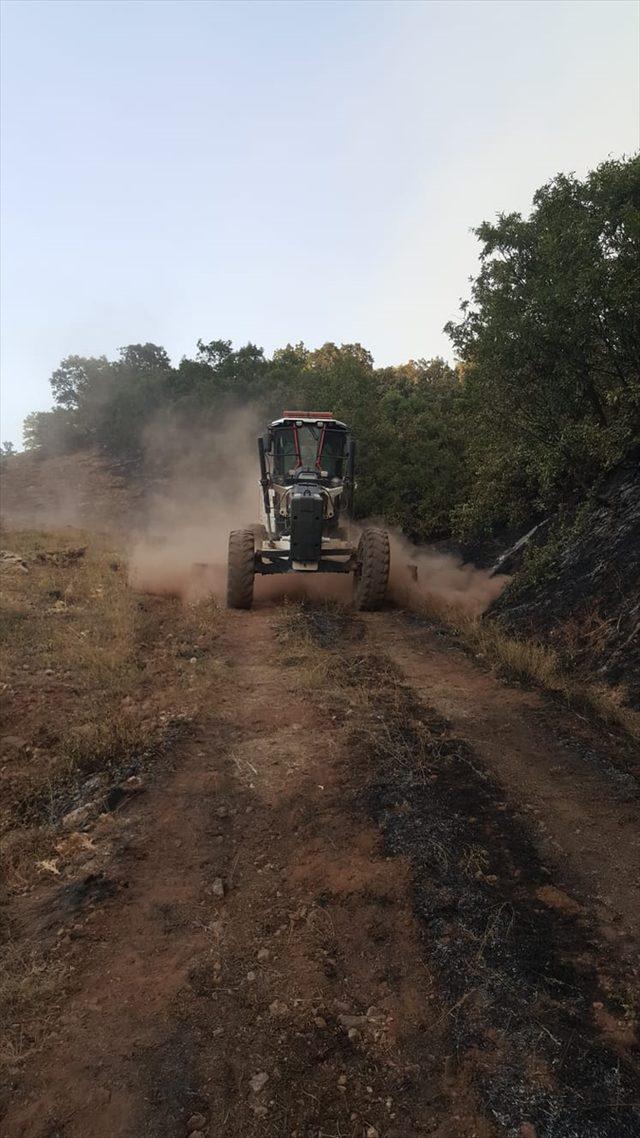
point(516, 956)
point(372, 892)
point(584, 598)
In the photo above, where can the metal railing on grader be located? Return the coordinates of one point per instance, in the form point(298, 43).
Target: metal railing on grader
point(307, 466)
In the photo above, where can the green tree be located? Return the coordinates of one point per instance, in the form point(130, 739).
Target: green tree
point(551, 344)
point(422, 459)
point(107, 403)
point(52, 432)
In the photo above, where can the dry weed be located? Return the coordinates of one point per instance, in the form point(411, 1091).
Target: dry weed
point(92, 673)
point(93, 678)
point(533, 662)
point(28, 985)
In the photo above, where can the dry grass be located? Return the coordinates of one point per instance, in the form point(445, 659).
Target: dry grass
point(28, 984)
point(71, 614)
point(92, 674)
point(68, 627)
point(94, 679)
point(532, 662)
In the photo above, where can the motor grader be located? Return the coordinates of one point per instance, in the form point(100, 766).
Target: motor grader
point(307, 468)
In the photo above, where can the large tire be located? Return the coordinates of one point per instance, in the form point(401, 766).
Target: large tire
point(372, 571)
point(240, 569)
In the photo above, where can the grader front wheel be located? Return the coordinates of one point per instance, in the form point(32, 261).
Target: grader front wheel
point(240, 569)
point(372, 571)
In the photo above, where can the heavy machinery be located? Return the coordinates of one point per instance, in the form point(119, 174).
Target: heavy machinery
point(307, 465)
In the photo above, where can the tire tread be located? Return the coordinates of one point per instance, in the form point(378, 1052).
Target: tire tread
point(240, 569)
point(374, 558)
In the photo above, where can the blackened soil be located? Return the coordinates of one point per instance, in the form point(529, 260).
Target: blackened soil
point(611, 753)
point(329, 624)
point(586, 603)
point(521, 967)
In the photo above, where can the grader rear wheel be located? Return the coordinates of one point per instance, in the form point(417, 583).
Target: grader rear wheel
point(372, 572)
point(240, 569)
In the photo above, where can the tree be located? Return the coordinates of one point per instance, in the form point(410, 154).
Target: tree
point(108, 402)
point(74, 378)
point(52, 432)
point(145, 357)
point(551, 344)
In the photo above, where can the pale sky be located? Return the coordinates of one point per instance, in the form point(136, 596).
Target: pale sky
point(280, 171)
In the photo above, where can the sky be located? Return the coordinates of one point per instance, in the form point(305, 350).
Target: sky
point(280, 171)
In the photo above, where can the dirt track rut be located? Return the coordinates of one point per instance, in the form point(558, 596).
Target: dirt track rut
point(573, 781)
point(402, 950)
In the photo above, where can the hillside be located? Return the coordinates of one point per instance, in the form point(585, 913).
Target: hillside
point(80, 489)
point(579, 590)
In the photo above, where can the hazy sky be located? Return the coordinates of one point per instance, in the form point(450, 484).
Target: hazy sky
point(280, 171)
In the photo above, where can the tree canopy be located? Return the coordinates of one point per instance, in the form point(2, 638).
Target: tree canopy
point(551, 344)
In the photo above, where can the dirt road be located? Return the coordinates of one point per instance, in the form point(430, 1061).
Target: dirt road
point(375, 892)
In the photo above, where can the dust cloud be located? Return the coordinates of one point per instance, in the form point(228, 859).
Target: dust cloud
point(74, 491)
point(207, 484)
point(423, 574)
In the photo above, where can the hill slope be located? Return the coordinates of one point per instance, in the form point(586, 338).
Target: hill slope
point(580, 590)
point(81, 489)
